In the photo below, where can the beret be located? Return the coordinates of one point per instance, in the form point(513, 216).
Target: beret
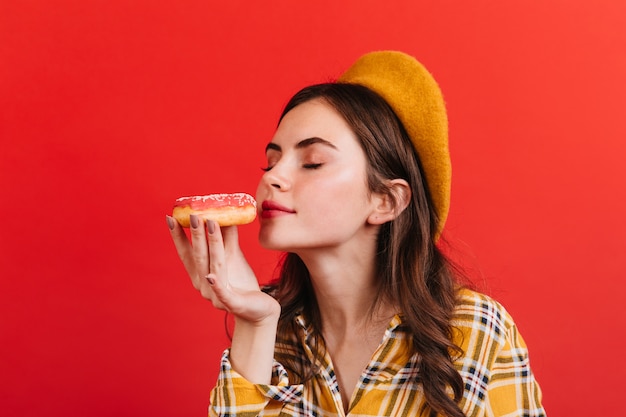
point(416, 99)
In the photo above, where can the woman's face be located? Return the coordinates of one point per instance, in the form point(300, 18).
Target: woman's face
point(314, 193)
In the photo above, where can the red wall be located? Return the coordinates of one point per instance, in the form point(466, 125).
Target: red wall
point(109, 110)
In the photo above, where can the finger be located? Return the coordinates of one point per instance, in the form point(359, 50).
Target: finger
point(216, 250)
point(230, 235)
point(248, 305)
point(240, 275)
point(199, 249)
point(206, 290)
point(183, 247)
point(218, 291)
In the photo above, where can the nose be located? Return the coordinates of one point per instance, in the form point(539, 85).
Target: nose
point(277, 178)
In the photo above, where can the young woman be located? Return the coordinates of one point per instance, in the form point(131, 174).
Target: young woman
point(367, 318)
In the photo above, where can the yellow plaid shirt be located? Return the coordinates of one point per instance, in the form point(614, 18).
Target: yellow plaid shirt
point(495, 368)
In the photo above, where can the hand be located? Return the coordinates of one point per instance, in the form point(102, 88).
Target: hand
point(218, 269)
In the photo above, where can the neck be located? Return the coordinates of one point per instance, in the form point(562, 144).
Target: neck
point(346, 291)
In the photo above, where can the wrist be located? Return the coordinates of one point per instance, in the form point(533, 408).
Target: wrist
point(267, 320)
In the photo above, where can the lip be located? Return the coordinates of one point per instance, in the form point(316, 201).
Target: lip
point(270, 209)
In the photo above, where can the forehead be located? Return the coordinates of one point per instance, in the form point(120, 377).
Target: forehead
point(314, 118)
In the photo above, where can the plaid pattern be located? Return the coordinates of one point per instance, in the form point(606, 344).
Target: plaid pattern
point(495, 368)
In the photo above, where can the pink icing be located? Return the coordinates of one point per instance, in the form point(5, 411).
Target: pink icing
point(201, 202)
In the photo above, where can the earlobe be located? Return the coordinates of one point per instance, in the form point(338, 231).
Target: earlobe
point(390, 205)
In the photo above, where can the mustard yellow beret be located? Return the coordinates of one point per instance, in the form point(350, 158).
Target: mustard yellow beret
point(415, 97)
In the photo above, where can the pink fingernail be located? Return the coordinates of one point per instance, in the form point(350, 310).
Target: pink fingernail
point(170, 222)
point(211, 226)
point(193, 220)
point(210, 279)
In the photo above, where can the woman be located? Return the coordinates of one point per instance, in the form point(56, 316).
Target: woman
point(367, 317)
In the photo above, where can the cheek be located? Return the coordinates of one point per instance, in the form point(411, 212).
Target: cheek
point(259, 193)
point(338, 192)
point(262, 190)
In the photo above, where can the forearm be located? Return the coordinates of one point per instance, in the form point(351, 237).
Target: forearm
point(252, 348)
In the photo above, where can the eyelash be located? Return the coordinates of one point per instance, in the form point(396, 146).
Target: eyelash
point(306, 166)
point(311, 166)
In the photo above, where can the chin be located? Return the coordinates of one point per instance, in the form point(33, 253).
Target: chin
point(270, 242)
point(277, 243)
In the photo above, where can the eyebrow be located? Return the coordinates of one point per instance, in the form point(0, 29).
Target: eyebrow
point(302, 144)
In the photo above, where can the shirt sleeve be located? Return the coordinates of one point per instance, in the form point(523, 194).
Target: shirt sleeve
point(233, 395)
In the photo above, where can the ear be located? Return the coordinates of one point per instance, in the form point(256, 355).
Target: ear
point(389, 205)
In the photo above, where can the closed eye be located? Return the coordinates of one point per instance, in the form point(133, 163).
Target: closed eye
point(311, 166)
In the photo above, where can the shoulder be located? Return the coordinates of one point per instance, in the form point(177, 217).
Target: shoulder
point(478, 315)
point(494, 362)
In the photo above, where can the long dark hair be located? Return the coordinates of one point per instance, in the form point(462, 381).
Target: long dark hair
point(411, 270)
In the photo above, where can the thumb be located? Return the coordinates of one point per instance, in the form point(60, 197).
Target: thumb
point(230, 235)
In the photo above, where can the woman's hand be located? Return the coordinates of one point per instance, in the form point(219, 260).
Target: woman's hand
point(218, 269)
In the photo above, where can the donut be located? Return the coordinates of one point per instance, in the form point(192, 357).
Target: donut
point(225, 209)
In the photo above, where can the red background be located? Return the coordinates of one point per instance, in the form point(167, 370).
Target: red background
point(109, 110)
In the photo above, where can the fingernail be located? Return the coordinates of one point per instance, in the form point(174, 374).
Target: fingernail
point(170, 222)
point(210, 279)
point(211, 226)
point(193, 220)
